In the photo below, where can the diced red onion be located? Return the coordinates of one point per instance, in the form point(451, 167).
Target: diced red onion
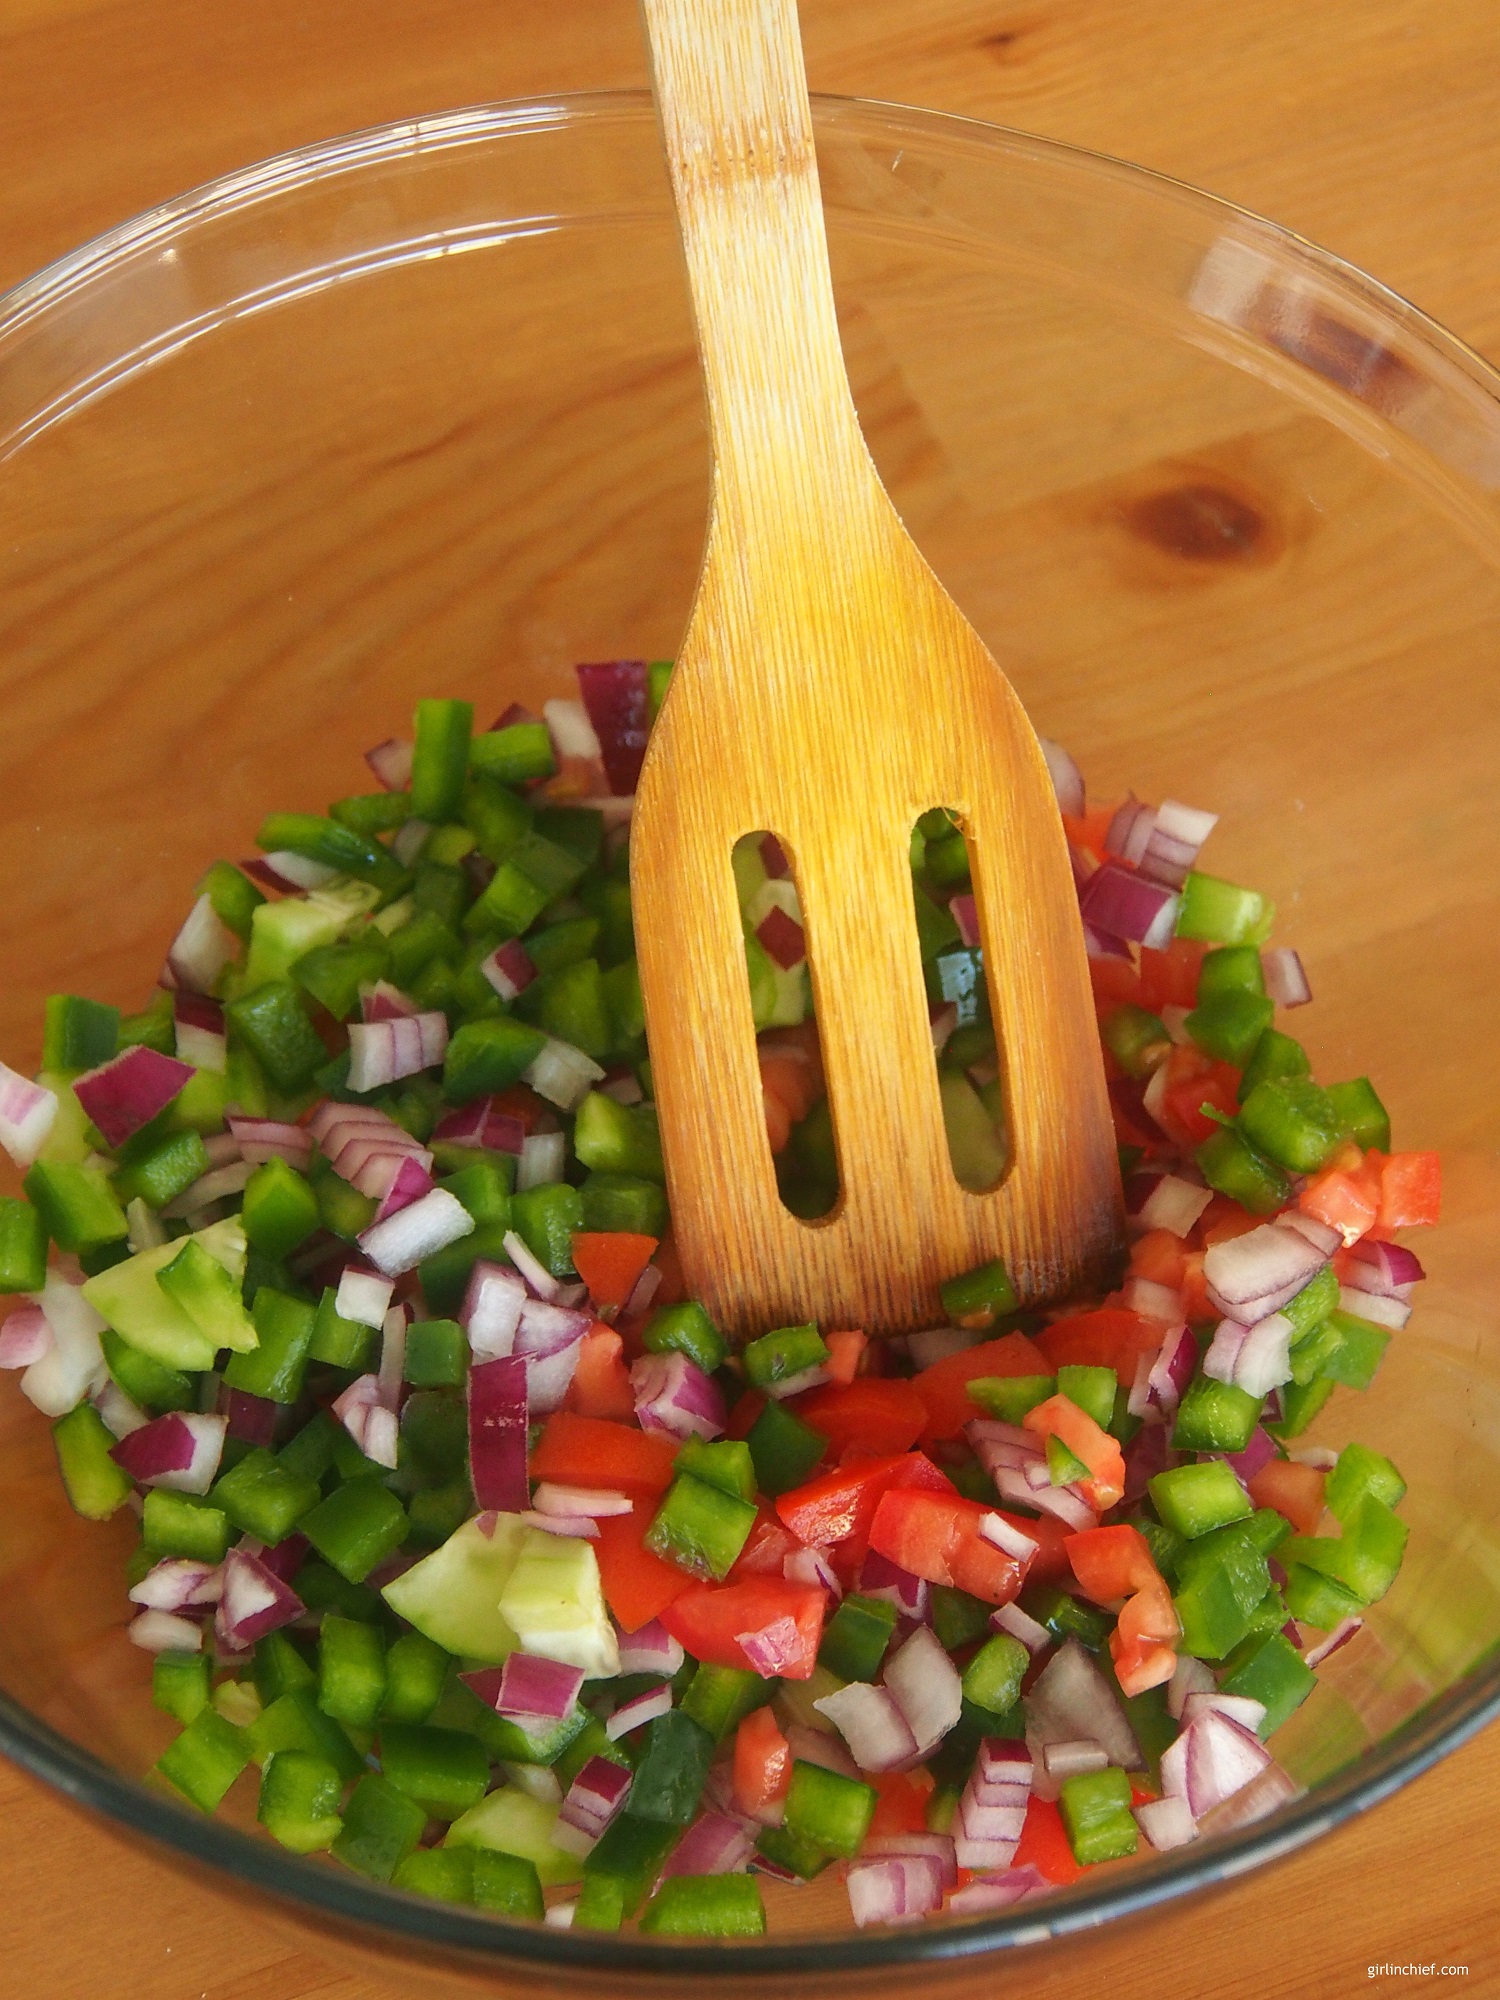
point(480, 1125)
point(559, 1916)
point(25, 1337)
point(622, 1086)
point(617, 699)
point(164, 1632)
point(1264, 1359)
point(391, 763)
point(363, 1296)
point(410, 1182)
point(177, 1583)
point(880, 1577)
point(263, 1139)
point(934, 1847)
point(531, 1684)
point(572, 733)
point(995, 1528)
point(392, 1354)
point(1257, 1454)
point(1341, 1634)
point(1172, 1369)
point(562, 1074)
point(1064, 1502)
point(1322, 1457)
point(509, 969)
point(639, 1710)
point(1239, 1708)
point(252, 1419)
point(1273, 1787)
point(900, 1889)
point(382, 1052)
point(1104, 944)
point(1020, 1625)
point(27, 1114)
point(593, 1799)
point(73, 1363)
point(1129, 831)
point(538, 1279)
point(1175, 841)
point(1119, 901)
point(1210, 1761)
point(497, 1433)
point(543, 1328)
point(783, 938)
point(1393, 1313)
point(1152, 1300)
point(1148, 1453)
point(673, 1395)
point(1286, 980)
point(1190, 1676)
point(812, 1566)
point(1174, 1204)
point(1223, 1351)
point(543, 1158)
point(201, 949)
point(820, 1746)
point(977, 1852)
point(650, 1649)
point(180, 1451)
point(491, 1310)
point(1322, 1235)
point(587, 1501)
point(293, 871)
point(773, 1648)
point(643, 1291)
point(715, 1844)
point(218, 1184)
point(405, 1240)
point(1066, 1760)
point(570, 1527)
point(1166, 1823)
point(1069, 1699)
point(1388, 1268)
point(998, 1892)
point(353, 1408)
point(380, 1001)
point(410, 839)
point(254, 1601)
point(795, 1385)
point(1251, 1276)
point(926, 1687)
point(1067, 779)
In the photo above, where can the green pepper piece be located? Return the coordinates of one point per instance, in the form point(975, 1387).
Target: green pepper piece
point(182, 1524)
point(76, 1205)
point(686, 1329)
point(486, 1056)
point(626, 1202)
point(613, 1137)
point(856, 1637)
point(271, 1022)
point(444, 1770)
point(700, 1527)
point(23, 1246)
point(1009, 1397)
point(96, 1486)
point(784, 1448)
point(719, 1698)
point(980, 1296)
point(351, 1671)
point(1229, 1026)
point(204, 1761)
point(180, 1684)
point(299, 1801)
point(992, 1679)
point(356, 1527)
point(1194, 1499)
point(705, 1906)
point(440, 759)
point(788, 1351)
point(673, 1769)
point(1289, 1120)
point(263, 1498)
point(277, 1367)
point(1092, 1389)
point(1361, 1471)
point(1361, 1112)
point(381, 1827)
point(1270, 1670)
point(1274, 1055)
point(1218, 912)
point(1095, 1807)
point(78, 1034)
point(437, 1354)
point(1215, 1416)
point(826, 1809)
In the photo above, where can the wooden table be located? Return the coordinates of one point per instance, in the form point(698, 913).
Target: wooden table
point(1374, 129)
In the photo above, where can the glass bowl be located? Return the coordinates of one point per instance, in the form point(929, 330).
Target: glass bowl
point(418, 412)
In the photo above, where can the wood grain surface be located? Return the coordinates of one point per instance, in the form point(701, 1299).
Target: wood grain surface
point(1374, 129)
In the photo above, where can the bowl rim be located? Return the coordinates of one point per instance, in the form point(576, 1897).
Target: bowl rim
point(388, 1918)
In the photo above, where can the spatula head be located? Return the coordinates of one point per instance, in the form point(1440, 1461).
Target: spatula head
point(829, 692)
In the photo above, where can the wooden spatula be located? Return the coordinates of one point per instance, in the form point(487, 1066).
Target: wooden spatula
point(829, 691)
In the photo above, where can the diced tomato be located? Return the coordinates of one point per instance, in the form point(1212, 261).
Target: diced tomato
point(673, 1288)
point(519, 1101)
point(1044, 1843)
point(1050, 1563)
point(609, 1261)
point(1091, 830)
point(1346, 1198)
point(762, 1763)
point(1224, 1219)
point(1115, 982)
point(1411, 1191)
point(1110, 1563)
point(839, 1505)
point(936, 1535)
point(638, 1585)
point(1170, 978)
point(707, 1619)
point(902, 1804)
point(944, 1387)
point(591, 1451)
point(1161, 1257)
point(1295, 1491)
point(742, 1418)
point(881, 1413)
point(767, 1547)
point(1194, 1288)
point(1114, 1563)
point(1111, 1337)
point(601, 1382)
point(1193, 1081)
point(1060, 1417)
point(844, 1351)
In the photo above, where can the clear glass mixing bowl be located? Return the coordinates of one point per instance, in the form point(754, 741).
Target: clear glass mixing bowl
point(417, 412)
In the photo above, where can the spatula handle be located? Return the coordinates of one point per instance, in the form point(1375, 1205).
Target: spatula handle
point(731, 92)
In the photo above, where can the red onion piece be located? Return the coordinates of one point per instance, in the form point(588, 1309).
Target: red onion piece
point(363, 1296)
point(548, 1377)
point(1273, 1787)
point(178, 1451)
point(617, 697)
point(871, 1723)
point(571, 1527)
point(491, 1310)
point(263, 1139)
point(650, 1649)
point(1286, 981)
point(479, 1124)
point(1174, 1204)
point(1020, 1625)
point(1264, 1359)
point(497, 1433)
point(1210, 1761)
point(1166, 1823)
point(965, 913)
point(543, 1159)
point(73, 1364)
point(812, 1566)
point(25, 1337)
point(252, 1419)
point(409, 1183)
point(1239, 1708)
point(935, 1847)
point(201, 949)
point(715, 1844)
point(382, 1052)
point(216, 1185)
point(995, 1528)
point(782, 936)
point(1387, 1268)
point(1174, 842)
point(538, 1279)
point(380, 1001)
point(926, 1687)
point(572, 733)
point(1251, 1276)
point(405, 1240)
point(551, 1498)
point(773, 1648)
point(509, 969)
point(287, 871)
point(531, 1684)
point(880, 1577)
point(1341, 1634)
point(1069, 1699)
point(644, 1290)
point(638, 1711)
point(391, 763)
point(1153, 1301)
point(1257, 1454)
point(127, 1092)
point(1130, 830)
point(178, 1583)
point(899, 1889)
point(1223, 1351)
point(164, 1632)
point(593, 1799)
point(255, 1601)
point(1122, 903)
point(562, 1074)
point(1393, 1313)
point(998, 1892)
point(1067, 779)
point(672, 1394)
point(1066, 1760)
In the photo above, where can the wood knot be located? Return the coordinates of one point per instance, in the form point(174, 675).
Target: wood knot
point(1200, 523)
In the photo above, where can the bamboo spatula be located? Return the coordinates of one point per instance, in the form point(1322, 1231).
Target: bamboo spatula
point(828, 691)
